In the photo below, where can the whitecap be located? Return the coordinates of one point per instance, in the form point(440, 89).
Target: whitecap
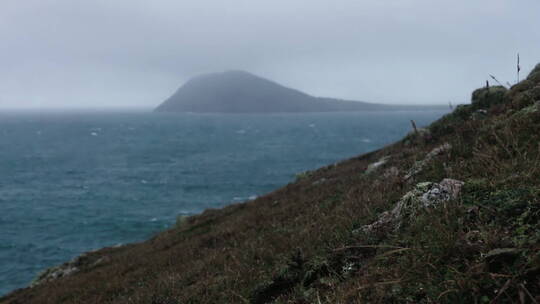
point(94, 134)
point(366, 140)
point(253, 197)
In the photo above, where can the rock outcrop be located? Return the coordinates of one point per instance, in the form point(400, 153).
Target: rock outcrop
point(86, 260)
point(486, 97)
point(424, 195)
point(420, 165)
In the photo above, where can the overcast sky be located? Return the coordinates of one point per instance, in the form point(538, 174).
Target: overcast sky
point(97, 53)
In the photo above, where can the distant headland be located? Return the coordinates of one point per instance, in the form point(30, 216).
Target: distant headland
point(242, 92)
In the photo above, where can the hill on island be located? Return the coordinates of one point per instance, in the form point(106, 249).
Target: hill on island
point(242, 92)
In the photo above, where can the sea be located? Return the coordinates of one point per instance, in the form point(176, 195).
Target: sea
point(74, 181)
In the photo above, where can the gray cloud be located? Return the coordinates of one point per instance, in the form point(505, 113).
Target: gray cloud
point(136, 53)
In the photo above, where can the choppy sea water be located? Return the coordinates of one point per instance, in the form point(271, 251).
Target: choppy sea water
point(72, 182)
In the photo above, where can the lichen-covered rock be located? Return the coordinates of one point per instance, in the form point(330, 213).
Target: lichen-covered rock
point(420, 165)
point(54, 273)
point(83, 261)
point(303, 175)
point(427, 194)
point(424, 195)
point(384, 223)
point(486, 97)
point(320, 182)
point(374, 166)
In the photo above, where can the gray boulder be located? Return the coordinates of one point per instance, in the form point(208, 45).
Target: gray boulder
point(424, 195)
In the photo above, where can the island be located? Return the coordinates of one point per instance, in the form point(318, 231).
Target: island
point(243, 92)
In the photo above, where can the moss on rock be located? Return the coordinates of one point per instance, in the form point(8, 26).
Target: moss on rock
point(487, 97)
point(424, 195)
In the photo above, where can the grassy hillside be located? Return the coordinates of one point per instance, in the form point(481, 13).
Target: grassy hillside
point(366, 230)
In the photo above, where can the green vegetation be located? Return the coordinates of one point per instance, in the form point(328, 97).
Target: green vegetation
point(308, 242)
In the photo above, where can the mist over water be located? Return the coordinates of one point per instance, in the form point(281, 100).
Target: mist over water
point(124, 52)
point(73, 182)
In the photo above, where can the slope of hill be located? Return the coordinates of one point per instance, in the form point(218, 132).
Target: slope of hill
point(449, 214)
point(242, 92)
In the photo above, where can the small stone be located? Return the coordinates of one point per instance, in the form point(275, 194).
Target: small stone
point(319, 182)
point(481, 111)
point(479, 114)
point(374, 166)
